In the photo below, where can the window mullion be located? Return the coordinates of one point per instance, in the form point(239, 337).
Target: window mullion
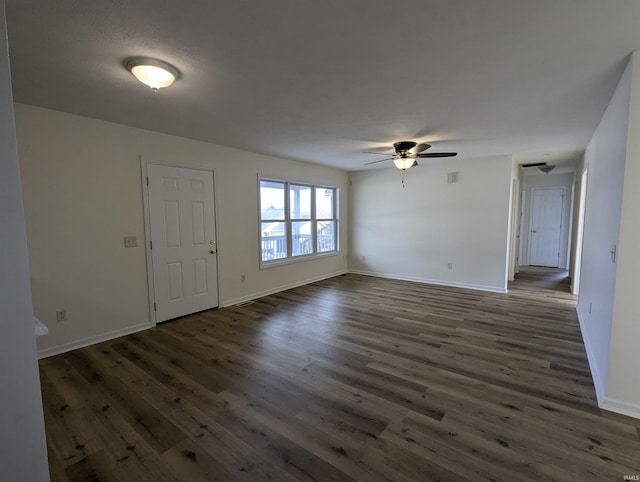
point(287, 217)
point(334, 201)
point(314, 224)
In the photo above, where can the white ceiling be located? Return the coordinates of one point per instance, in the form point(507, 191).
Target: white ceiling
point(323, 80)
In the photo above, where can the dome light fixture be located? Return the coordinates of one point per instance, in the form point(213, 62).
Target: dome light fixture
point(154, 73)
point(404, 162)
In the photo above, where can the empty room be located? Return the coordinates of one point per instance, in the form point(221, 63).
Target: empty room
point(322, 241)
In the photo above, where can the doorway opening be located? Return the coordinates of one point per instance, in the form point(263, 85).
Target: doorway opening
point(547, 221)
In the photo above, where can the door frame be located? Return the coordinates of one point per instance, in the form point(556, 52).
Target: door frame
point(582, 208)
point(523, 207)
point(147, 227)
point(562, 221)
point(514, 231)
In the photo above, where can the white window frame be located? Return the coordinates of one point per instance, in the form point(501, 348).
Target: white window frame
point(288, 220)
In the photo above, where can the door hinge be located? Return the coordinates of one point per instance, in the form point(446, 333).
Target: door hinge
point(155, 308)
point(150, 244)
point(147, 180)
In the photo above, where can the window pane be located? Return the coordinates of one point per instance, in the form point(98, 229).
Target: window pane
point(272, 200)
point(326, 236)
point(273, 240)
point(324, 203)
point(301, 238)
point(300, 202)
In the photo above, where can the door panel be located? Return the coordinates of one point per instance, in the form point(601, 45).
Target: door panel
point(547, 207)
point(175, 281)
point(172, 223)
point(200, 270)
point(182, 226)
point(198, 222)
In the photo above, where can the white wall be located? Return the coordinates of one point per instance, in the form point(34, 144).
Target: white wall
point(532, 181)
point(23, 451)
point(623, 382)
point(83, 194)
point(605, 159)
point(414, 232)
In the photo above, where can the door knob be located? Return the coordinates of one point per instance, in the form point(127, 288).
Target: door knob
point(212, 251)
point(534, 231)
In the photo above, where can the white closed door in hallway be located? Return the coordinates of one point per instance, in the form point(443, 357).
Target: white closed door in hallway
point(183, 240)
point(547, 206)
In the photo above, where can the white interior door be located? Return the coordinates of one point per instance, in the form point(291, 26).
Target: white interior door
point(183, 240)
point(547, 207)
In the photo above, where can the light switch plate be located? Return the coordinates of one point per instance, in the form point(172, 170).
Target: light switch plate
point(130, 242)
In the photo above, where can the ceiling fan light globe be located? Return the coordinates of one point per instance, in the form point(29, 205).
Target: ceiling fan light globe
point(404, 163)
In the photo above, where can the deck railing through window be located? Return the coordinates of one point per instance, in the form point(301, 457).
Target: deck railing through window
point(275, 247)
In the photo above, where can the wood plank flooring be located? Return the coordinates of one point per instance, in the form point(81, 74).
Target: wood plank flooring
point(351, 378)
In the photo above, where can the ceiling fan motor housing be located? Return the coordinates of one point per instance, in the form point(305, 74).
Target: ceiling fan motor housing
point(404, 146)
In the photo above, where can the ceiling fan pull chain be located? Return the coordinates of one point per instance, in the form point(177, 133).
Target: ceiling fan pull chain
point(403, 171)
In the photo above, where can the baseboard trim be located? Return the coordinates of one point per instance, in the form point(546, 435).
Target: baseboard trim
point(278, 289)
point(92, 340)
point(598, 383)
point(618, 406)
point(452, 284)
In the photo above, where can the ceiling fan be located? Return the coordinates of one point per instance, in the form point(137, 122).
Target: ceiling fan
point(408, 151)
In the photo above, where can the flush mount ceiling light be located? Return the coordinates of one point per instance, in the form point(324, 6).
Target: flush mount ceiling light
point(546, 169)
point(154, 73)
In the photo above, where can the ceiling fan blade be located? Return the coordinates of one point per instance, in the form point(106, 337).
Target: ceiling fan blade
point(421, 147)
point(438, 154)
point(379, 153)
point(375, 162)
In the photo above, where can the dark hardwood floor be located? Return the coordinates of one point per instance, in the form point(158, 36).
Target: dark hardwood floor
point(351, 378)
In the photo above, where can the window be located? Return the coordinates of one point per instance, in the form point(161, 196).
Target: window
point(296, 220)
point(273, 227)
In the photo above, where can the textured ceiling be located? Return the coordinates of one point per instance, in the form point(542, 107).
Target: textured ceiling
point(322, 81)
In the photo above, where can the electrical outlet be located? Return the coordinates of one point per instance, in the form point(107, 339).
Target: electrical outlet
point(450, 265)
point(130, 242)
point(61, 315)
point(243, 278)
